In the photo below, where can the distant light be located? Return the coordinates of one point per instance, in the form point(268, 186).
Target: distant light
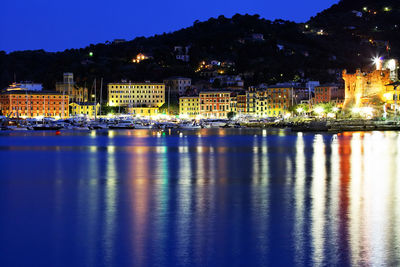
point(365, 8)
point(387, 9)
point(90, 54)
point(307, 26)
point(299, 110)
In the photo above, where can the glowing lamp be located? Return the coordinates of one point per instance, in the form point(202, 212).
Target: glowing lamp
point(378, 62)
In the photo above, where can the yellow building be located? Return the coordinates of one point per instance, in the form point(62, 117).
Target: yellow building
point(189, 106)
point(136, 95)
point(89, 109)
point(366, 88)
point(262, 108)
point(277, 101)
point(143, 111)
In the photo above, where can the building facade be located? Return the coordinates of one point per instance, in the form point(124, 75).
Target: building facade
point(262, 103)
point(136, 95)
point(364, 88)
point(251, 97)
point(214, 104)
point(31, 104)
point(189, 106)
point(177, 85)
point(279, 100)
point(143, 111)
point(89, 109)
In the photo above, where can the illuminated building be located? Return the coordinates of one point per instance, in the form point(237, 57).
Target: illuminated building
point(68, 87)
point(251, 96)
point(89, 109)
point(279, 99)
point(143, 111)
point(189, 106)
point(30, 104)
point(328, 94)
point(233, 102)
point(139, 98)
point(215, 104)
point(365, 88)
point(262, 103)
point(241, 103)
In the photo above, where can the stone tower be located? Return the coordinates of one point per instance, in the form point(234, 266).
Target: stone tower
point(362, 87)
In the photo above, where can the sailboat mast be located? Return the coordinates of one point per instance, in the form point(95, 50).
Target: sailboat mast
point(95, 99)
point(101, 95)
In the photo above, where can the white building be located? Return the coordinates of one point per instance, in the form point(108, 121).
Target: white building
point(177, 85)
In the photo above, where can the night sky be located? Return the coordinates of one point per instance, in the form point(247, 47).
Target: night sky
point(55, 25)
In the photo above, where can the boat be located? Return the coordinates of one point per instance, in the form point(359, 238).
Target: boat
point(122, 125)
point(46, 127)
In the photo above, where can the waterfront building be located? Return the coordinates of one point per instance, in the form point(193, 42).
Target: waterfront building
point(89, 109)
point(324, 93)
point(31, 104)
point(177, 85)
point(139, 98)
point(215, 104)
point(279, 99)
point(365, 88)
point(189, 106)
point(28, 86)
point(262, 103)
point(143, 111)
point(251, 96)
point(233, 102)
point(329, 93)
point(68, 87)
point(241, 103)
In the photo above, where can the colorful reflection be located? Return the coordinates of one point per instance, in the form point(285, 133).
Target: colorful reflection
point(201, 198)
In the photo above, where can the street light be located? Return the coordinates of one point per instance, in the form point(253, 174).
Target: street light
point(378, 62)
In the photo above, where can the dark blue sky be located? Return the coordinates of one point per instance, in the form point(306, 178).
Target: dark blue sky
point(55, 25)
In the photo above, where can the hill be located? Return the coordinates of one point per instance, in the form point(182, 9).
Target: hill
point(346, 35)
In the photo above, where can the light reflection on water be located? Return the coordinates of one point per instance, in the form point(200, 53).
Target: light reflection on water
point(208, 197)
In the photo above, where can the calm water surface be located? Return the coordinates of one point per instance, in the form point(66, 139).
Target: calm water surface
point(199, 198)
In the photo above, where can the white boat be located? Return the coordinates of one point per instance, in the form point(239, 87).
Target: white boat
point(141, 126)
point(189, 125)
point(215, 123)
point(80, 128)
point(17, 128)
point(122, 125)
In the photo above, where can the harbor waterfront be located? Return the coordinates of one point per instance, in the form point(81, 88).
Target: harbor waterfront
point(199, 197)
